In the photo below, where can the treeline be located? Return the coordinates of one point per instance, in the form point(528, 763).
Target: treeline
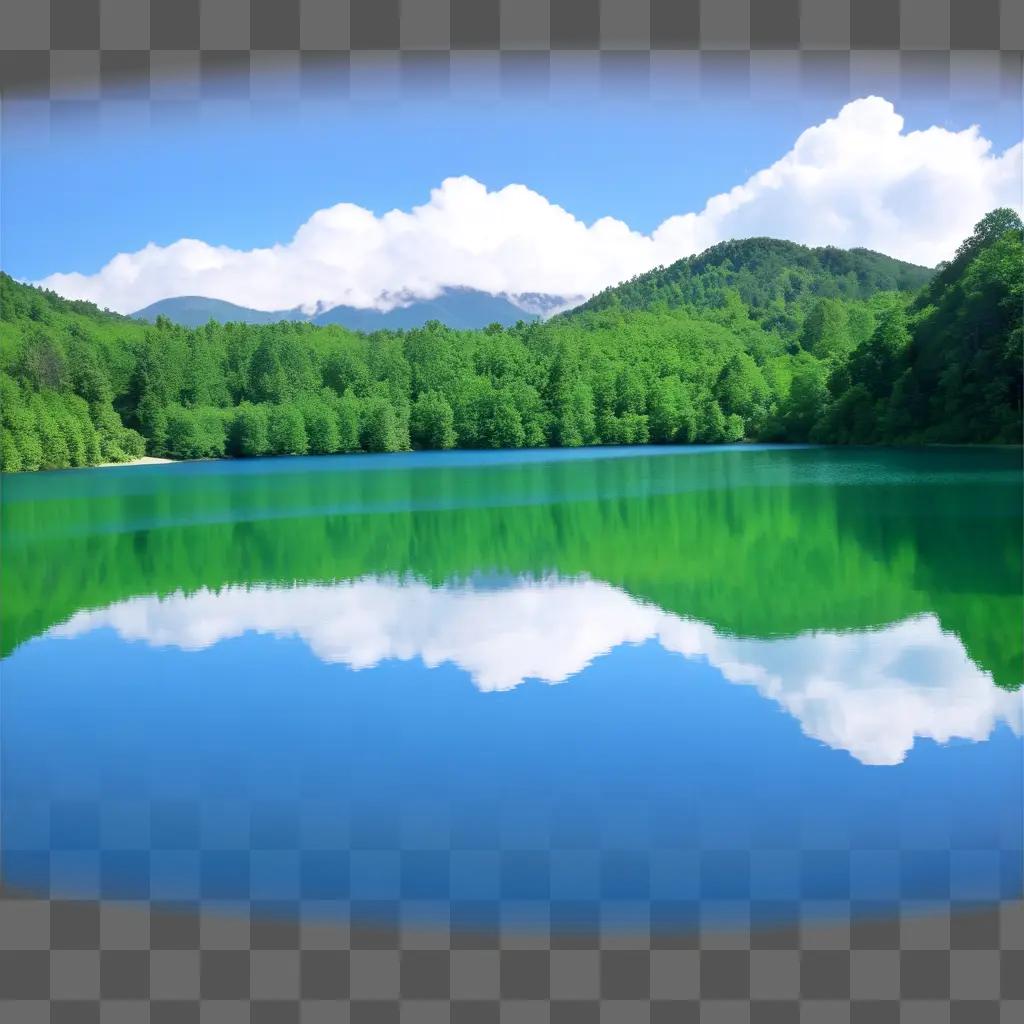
point(763, 343)
point(952, 372)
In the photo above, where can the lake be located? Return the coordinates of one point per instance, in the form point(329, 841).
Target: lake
point(593, 688)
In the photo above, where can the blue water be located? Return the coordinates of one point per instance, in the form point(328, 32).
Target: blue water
point(496, 725)
point(645, 789)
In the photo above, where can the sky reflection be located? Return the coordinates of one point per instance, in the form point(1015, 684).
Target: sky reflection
point(871, 693)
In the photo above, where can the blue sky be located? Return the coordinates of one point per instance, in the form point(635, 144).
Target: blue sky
point(563, 195)
point(74, 201)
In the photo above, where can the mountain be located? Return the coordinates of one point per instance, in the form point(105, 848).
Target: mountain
point(760, 340)
point(196, 310)
point(768, 273)
point(459, 308)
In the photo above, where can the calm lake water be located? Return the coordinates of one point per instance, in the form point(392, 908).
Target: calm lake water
point(601, 687)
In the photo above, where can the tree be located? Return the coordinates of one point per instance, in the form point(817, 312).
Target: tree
point(805, 404)
point(249, 432)
point(960, 376)
point(151, 418)
point(184, 438)
point(665, 410)
point(432, 422)
point(75, 427)
point(345, 367)
point(321, 426)
point(438, 360)
point(631, 393)
point(851, 419)
point(18, 425)
point(733, 430)
point(42, 366)
point(10, 454)
point(742, 390)
point(474, 404)
point(195, 433)
point(132, 443)
point(212, 424)
point(505, 426)
point(204, 378)
point(52, 440)
point(532, 413)
point(575, 417)
point(267, 380)
point(348, 422)
point(875, 364)
point(29, 443)
point(634, 428)
point(117, 443)
point(826, 333)
point(298, 367)
point(711, 424)
point(379, 427)
point(286, 431)
point(570, 397)
point(85, 374)
point(153, 386)
point(992, 227)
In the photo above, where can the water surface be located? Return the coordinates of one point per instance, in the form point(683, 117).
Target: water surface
point(606, 687)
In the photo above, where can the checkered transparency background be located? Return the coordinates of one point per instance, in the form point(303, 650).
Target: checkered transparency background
point(74, 961)
point(175, 51)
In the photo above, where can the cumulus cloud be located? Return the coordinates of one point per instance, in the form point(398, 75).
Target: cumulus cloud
point(871, 693)
point(857, 179)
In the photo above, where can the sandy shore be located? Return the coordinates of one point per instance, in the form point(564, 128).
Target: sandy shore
point(146, 460)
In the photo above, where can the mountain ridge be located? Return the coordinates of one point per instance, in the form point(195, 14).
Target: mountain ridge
point(754, 266)
point(765, 272)
point(459, 308)
point(758, 340)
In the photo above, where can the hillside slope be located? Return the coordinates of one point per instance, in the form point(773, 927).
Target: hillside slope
point(755, 340)
point(770, 275)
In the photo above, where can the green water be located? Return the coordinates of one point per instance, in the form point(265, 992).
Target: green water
point(756, 541)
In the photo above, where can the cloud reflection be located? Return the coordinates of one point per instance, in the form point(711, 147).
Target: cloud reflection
point(871, 693)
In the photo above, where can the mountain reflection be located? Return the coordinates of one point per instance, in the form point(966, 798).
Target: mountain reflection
point(870, 692)
point(755, 542)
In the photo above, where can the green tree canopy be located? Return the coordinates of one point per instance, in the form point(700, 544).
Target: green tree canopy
point(756, 339)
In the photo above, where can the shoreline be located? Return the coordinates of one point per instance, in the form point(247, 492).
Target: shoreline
point(153, 460)
point(145, 460)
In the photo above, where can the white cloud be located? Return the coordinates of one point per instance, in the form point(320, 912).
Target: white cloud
point(871, 693)
point(858, 179)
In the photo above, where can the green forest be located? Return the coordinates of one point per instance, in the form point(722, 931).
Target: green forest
point(760, 340)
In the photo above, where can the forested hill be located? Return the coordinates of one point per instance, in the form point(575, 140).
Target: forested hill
point(19, 302)
point(770, 275)
point(758, 340)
